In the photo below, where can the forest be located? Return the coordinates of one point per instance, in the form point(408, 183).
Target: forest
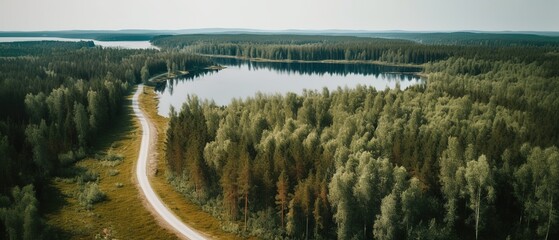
point(470, 154)
point(56, 99)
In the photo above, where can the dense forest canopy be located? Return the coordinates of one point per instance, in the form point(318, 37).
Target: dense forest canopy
point(472, 153)
point(55, 99)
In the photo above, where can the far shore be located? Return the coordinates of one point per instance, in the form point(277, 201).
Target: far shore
point(166, 76)
point(315, 61)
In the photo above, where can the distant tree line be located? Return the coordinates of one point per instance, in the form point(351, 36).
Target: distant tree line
point(56, 98)
point(320, 48)
point(309, 48)
point(495, 39)
point(472, 153)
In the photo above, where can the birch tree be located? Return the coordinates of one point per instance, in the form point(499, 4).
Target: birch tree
point(451, 178)
point(539, 177)
point(479, 188)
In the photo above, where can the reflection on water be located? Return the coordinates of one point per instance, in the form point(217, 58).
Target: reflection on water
point(243, 79)
point(320, 68)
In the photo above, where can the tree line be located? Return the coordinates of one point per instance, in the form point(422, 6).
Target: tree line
point(308, 48)
point(475, 38)
point(472, 153)
point(320, 48)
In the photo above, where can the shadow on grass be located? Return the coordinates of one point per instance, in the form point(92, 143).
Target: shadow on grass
point(54, 199)
point(71, 172)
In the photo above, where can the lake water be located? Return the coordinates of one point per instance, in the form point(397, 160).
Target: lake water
point(241, 79)
point(111, 44)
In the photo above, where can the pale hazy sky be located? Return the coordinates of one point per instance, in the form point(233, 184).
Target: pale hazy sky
point(519, 15)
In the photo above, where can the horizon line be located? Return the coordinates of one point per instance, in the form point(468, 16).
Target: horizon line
point(284, 30)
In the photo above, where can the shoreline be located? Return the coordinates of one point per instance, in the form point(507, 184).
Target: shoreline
point(380, 63)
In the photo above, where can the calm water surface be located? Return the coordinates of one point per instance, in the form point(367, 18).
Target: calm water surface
point(243, 79)
point(112, 44)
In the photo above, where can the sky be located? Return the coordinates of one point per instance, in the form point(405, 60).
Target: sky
point(375, 15)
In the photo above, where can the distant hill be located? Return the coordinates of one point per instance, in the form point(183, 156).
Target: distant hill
point(121, 35)
point(505, 38)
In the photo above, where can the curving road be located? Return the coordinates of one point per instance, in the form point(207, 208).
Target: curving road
point(142, 177)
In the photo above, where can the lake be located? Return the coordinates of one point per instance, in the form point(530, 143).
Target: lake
point(111, 44)
point(242, 78)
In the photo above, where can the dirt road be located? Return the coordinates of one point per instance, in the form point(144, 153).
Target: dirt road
point(142, 177)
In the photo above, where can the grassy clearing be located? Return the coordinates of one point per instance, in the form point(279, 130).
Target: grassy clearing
point(189, 212)
point(122, 211)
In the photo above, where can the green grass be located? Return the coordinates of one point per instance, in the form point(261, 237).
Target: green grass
point(122, 211)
